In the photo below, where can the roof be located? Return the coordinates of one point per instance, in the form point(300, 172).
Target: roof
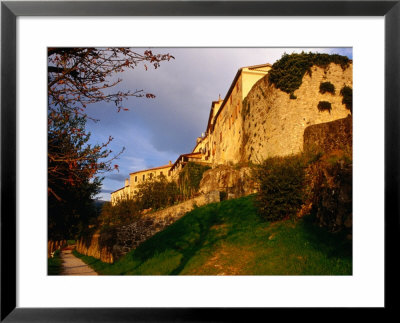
point(254, 67)
point(191, 155)
point(119, 189)
point(149, 169)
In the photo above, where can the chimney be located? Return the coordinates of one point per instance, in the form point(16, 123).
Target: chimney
point(170, 163)
point(127, 182)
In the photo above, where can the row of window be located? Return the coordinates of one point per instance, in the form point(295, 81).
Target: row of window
point(150, 176)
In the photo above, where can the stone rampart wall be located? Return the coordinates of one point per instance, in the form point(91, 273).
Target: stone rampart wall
point(130, 236)
point(329, 136)
point(274, 124)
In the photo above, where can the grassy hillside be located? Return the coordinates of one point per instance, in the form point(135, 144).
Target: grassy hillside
point(229, 238)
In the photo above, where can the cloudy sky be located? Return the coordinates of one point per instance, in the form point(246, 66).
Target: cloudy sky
point(155, 131)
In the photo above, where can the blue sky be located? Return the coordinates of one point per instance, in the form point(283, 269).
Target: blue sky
point(157, 130)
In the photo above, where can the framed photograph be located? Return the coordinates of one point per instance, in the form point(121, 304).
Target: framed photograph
point(366, 31)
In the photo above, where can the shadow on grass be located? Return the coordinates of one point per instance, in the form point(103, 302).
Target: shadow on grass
point(187, 236)
point(334, 245)
point(193, 233)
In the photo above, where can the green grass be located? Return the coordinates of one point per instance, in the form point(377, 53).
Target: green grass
point(54, 264)
point(229, 238)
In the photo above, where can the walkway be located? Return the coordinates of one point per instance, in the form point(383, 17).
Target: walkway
point(74, 266)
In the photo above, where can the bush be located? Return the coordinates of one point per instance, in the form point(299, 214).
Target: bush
point(281, 181)
point(326, 87)
point(120, 213)
point(108, 237)
point(347, 93)
point(54, 264)
point(157, 193)
point(190, 177)
point(287, 73)
point(324, 106)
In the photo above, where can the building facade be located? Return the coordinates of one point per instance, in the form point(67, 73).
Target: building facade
point(219, 144)
point(253, 121)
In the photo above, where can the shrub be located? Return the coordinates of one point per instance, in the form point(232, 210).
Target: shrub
point(324, 106)
point(287, 73)
point(108, 237)
point(347, 93)
point(326, 87)
point(54, 264)
point(190, 177)
point(120, 213)
point(157, 193)
point(281, 181)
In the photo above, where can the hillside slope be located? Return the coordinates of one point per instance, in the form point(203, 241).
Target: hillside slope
point(228, 238)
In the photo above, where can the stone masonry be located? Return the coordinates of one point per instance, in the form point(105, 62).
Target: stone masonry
point(130, 236)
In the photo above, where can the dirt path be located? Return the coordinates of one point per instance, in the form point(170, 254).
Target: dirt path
point(74, 266)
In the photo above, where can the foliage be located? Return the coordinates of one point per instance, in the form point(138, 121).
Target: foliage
point(157, 193)
point(330, 183)
point(292, 96)
point(229, 238)
point(78, 77)
point(54, 264)
point(81, 76)
point(70, 176)
point(190, 177)
point(152, 195)
point(120, 213)
point(324, 106)
point(281, 187)
point(347, 93)
point(287, 73)
point(71, 160)
point(108, 237)
point(326, 87)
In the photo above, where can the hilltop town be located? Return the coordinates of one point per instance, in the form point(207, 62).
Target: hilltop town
point(255, 120)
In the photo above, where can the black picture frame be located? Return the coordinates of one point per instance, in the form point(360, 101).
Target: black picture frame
point(10, 10)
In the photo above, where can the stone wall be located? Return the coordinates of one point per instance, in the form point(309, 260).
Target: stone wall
point(54, 245)
point(92, 248)
point(130, 236)
point(331, 178)
point(274, 124)
point(234, 181)
point(329, 136)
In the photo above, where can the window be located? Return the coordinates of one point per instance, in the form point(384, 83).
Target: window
point(144, 177)
point(135, 179)
point(220, 136)
point(161, 173)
